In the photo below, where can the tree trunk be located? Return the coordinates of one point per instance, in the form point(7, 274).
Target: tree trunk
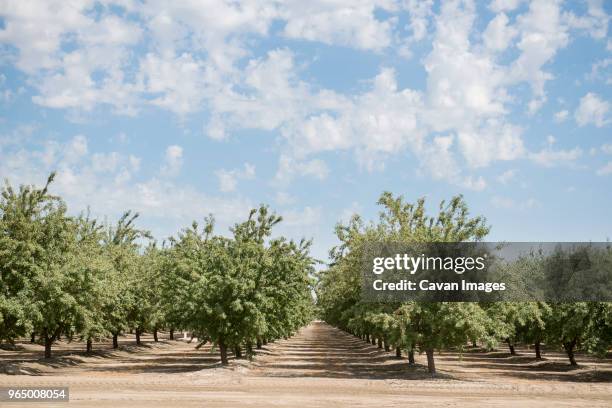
point(398, 352)
point(411, 357)
point(379, 343)
point(237, 352)
point(33, 338)
point(48, 344)
point(172, 333)
point(223, 351)
point(569, 349)
point(138, 337)
point(537, 350)
point(373, 340)
point(474, 345)
point(258, 345)
point(89, 345)
point(249, 349)
point(387, 347)
point(115, 340)
point(264, 341)
point(155, 335)
point(511, 347)
point(431, 364)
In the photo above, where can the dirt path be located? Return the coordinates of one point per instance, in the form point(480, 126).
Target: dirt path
point(319, 367)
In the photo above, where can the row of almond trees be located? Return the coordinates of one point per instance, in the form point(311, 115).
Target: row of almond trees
point(72, 277)
point(429, 326)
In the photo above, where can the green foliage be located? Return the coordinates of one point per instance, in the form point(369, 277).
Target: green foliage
point(436, 325)
point(71, 276)
point(427, 326)
point(240, 290)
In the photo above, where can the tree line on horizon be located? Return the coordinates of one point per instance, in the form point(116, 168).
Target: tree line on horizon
point(419, 326)
point(77, 278)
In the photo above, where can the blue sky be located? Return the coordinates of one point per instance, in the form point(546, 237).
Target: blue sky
point(315, 108)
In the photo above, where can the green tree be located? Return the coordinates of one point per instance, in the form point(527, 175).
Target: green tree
point(122, 246)
point(239, 291)
point(23, 247)
point(428, 326)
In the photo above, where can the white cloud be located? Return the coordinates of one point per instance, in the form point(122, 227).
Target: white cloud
point(159, 76)
point(561, 116)
point(420, 12)
point(463, 85)
point(228, 179)
point(507, 176)
point(542, 34)
point(109, 190)
point(549, 157)
point(605, 170)
point(438, 160)
point(592, 110)
point(36, 29)
point(83, 61)
point(76, 149)
point(601, 70)
point(173, 161)
point(498, 34)
point(105, 162)
point(135, 162)
point(487, 145)
point(595, 22)
point(350, 23)
point(62, 45)
point(504, 5)
point(289, 167)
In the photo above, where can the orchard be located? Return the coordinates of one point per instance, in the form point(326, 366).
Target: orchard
point(76, 278)
point(431, 326)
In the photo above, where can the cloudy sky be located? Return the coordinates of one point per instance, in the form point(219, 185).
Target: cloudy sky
point(180, 109)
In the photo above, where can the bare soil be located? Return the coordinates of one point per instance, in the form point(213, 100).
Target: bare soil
point(319, 367)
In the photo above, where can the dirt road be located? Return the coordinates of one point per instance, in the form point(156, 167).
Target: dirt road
point(319, 367)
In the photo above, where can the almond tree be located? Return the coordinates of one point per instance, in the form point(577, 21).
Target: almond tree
point(45, 269)
point(430, 325)
point(24, 252)
point(95, 273)
point(237, 291)
point(23, 248)
point(121, 246)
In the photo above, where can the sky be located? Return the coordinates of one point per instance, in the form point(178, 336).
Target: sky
point(181, 109)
